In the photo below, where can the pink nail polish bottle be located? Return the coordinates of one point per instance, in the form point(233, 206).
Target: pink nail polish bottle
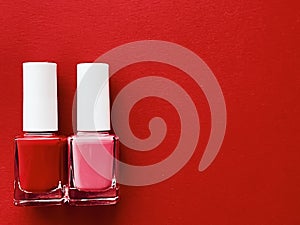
point(40, 153)
point(93, 150)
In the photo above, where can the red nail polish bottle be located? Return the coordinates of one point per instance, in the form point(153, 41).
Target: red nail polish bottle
point(93, 149)
point(40, 153)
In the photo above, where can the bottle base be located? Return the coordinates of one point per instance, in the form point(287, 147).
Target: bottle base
point(92, 198)
point(39, 202)
point(49, 198)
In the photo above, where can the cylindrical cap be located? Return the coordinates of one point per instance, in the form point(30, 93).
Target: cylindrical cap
point(93, 112)
point(39, 97)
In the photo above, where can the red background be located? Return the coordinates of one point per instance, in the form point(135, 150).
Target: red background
point(253, 49)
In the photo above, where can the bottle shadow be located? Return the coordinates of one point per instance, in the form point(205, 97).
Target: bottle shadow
point(86, 215)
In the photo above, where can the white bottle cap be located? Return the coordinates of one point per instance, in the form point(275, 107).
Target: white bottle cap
point(39, 97)
point(93, 110)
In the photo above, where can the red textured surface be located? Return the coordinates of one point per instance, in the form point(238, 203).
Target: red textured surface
point(253, 49)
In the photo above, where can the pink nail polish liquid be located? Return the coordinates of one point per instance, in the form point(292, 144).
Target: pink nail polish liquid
point(93, 150)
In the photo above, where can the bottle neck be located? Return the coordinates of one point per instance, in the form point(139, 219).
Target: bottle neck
point(88, 133)
point(40, 133)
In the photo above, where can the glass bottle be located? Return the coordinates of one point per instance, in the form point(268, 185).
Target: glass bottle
point(93, 149)
point(40, 153)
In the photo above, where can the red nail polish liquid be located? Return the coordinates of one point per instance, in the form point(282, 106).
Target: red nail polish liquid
point(93, 150)
point(40, 154)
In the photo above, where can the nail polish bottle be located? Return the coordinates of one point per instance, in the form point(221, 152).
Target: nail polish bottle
point(93, 149)
point(40, 153)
